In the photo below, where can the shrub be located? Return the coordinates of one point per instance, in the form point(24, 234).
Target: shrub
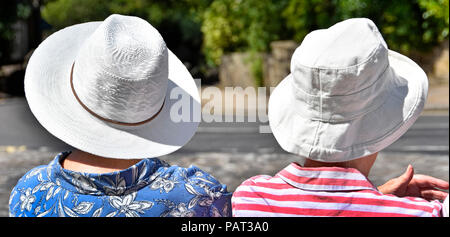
point(241, 25)
point(405, 24)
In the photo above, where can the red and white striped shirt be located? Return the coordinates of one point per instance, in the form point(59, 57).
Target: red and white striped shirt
point(325, 191)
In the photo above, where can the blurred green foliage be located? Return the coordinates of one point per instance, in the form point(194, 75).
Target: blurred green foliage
point(178, 21)
point(10, 12)
point(436, 19)
point(62, 13)
point(236, 25)
point(201, 31)
point(241, 25)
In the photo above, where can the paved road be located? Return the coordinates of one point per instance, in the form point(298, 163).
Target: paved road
point(232, 152)
point(18, 127)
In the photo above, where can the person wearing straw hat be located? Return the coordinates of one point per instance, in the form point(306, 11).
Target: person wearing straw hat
point(347, 98)
point(106, 88)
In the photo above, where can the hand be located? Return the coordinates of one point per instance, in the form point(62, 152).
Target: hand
point(409, 184)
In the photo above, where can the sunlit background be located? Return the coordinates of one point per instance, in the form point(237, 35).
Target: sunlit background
point(229, 43)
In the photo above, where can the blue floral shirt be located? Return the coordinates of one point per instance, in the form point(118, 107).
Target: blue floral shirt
point(149, 188)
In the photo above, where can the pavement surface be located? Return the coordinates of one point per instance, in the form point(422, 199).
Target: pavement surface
point(232, 152)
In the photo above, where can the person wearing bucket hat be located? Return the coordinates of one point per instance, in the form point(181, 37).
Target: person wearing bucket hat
point(107, 88)
point(347, 98)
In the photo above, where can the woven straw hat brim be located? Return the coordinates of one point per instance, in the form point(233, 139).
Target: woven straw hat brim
point(49, 95)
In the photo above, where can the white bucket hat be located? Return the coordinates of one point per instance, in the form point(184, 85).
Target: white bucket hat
point(348, 95)
point(105, 88)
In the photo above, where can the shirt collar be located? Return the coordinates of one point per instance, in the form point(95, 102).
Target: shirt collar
point(325, 178)
point(114, 183)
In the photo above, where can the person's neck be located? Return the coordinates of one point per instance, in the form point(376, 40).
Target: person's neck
point(363, 164)
point(80, 161)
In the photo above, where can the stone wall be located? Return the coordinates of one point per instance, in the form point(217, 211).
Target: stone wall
point(277, 63)
point(235, 70)
point(435, 63)
point(235, 67)
point(440, 71)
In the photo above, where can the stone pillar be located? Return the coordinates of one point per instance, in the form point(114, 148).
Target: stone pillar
point(277, 64)
point(235, 70)
point(441, 64)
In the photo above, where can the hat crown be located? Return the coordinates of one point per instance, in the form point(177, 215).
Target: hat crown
point(343, 45)
point(347, 57)
point(341, 72)
point(121, 71)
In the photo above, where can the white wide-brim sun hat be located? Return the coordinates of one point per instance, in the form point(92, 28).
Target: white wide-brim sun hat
point(127, 87)
point(348, 95)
